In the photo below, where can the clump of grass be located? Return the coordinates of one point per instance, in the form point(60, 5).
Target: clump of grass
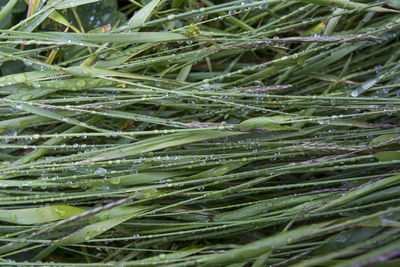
point(211, 133)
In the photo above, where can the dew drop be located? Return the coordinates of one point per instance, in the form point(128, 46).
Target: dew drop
point(20, 78)
point(60, 212)
point(100, 171)
point(80, 82)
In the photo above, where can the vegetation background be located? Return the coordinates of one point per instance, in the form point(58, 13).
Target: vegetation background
point(199, 132)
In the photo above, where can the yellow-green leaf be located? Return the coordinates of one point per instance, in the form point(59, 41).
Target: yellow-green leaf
point(39, 215)
point(272, 123)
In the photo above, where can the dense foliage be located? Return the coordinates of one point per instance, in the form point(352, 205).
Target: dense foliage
point(199, 132)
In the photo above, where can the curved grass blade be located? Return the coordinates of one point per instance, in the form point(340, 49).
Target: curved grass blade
point(143, 14)
point(157, 143)
point(364, 190)
point(92, 230)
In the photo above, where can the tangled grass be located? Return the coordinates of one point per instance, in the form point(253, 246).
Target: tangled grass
point(210, 133)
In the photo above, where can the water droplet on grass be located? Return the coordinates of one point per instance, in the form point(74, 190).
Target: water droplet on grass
point(364, 87)
point(80, 82)
point(100, 171)
point(20, 78)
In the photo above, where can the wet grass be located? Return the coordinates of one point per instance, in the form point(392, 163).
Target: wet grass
point(211, 133)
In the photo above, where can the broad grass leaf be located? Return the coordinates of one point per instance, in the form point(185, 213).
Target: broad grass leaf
point(143, 14)
point(117, 212)
point(26, 183)
point(118, 38)
point(34, 23)
point(85, 71)
point(347, 238)
point(27, 77)
point(57, 17)
point(393, 3)
point(159, 142)
point(388, 155)
point(23, 122)
point(39, 215)
point(60, 38)
point(384, 139)
point(272, 124)
point(92, 230)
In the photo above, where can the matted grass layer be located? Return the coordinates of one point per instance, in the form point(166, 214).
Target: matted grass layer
point(210, 133)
